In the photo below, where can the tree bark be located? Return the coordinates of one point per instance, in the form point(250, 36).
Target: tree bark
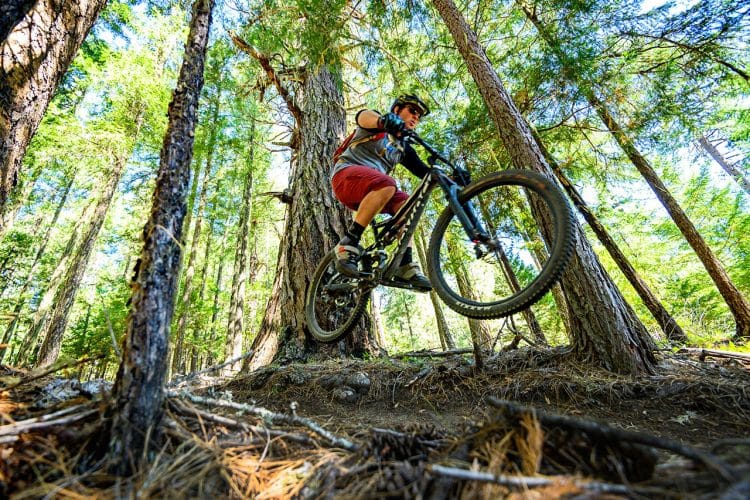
point(666, 321)
point(66, 293)
point(11, 13)
point(731, 169)
point(238, 297)
point(314, 223)
point(604, 329)
point(183, 306)
point(138, 393)
point(444, 333)
point(21, 300)
point(738, 304)
point(187, 284)
point(33, 58)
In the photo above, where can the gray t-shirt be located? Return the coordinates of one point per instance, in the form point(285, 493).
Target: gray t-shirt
point(380, 154)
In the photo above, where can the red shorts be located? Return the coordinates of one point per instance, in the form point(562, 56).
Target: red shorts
point(353, 183)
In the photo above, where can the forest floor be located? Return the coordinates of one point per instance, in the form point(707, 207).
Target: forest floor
point(531, 424)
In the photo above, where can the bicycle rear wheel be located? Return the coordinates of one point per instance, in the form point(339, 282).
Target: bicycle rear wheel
point(334, 302)
point(515, 268)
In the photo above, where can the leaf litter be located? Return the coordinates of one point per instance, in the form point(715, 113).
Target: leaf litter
point(531, 424)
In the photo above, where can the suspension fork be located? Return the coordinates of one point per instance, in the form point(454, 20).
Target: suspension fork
point(465, 213)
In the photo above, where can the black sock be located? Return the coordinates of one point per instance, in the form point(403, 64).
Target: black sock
point(353, 234)
point(407, 258)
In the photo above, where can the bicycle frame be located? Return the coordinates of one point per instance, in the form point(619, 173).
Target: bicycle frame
point(404, 222)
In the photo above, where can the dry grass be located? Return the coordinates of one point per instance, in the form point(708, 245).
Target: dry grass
point(211, 452)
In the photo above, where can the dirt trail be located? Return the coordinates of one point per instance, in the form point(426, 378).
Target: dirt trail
point(692, 402)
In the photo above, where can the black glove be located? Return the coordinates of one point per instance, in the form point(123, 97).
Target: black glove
point(392, 123)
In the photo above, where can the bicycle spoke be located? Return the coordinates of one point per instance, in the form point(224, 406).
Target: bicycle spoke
point(488, 277)
point(334, 302)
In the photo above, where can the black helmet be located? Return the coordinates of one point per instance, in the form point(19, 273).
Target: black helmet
point(406, 99)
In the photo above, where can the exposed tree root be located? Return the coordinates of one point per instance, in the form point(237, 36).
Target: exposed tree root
point(215, 447)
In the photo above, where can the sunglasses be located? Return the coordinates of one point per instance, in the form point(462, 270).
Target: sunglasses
point(415, 111)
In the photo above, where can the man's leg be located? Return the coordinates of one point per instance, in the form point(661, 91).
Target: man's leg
point(409, 270)
point(348, 249)
point(373, 204)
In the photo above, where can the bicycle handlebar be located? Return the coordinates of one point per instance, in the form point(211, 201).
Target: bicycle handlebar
point(414, 137)
point(460, 174)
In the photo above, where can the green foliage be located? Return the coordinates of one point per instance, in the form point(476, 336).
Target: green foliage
point(669, 75)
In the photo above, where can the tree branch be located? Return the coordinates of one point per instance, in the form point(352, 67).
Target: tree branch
point(603, 431)
point(265, 63)
point(269, 416)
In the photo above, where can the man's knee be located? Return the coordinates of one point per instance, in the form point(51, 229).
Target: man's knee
point(385, 193)
point(390, 190)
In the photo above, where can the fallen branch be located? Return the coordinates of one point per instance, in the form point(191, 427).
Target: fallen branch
point(604, 431)
point(53, 370)
point(11, 432)
point(422, 374)
point(184, 378)
point(433, 354)
point(704, 353)
point(220, 419)
point(523, 481)
point(269, 416)
point(402, 435)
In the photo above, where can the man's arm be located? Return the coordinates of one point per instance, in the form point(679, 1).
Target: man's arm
point(413, 162)
point(368, 119)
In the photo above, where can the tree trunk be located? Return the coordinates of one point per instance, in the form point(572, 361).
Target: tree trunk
point(20, 199)
point(738, 305)
point(238, 298)
point(187, 284)
point(314, 223)
point(138, 393)
point(41, 315)
point(215, 306)
point(481, 335)
point(11, 13)
point(377, 320)
point(604, 329)
point(510, 277)
point(20, 301)
point(198, 324)
point(668, 325)
point(66, 293)
point(731, 169)
point(528, 314)
point(183, 306)
point(33, 58)
point(444, 333)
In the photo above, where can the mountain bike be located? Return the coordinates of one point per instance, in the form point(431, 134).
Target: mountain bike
point(488, 256)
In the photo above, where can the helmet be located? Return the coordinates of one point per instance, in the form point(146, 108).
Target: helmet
point(406, 99)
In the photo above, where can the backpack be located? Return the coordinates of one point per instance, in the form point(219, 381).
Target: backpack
point(349, 142)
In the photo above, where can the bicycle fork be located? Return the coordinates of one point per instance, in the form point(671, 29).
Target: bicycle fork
point(466, 215)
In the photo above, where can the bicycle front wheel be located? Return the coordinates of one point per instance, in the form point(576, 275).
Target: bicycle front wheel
point(334, 302)
point(516, 265)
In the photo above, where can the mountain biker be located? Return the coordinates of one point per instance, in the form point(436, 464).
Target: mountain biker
point(361, 180)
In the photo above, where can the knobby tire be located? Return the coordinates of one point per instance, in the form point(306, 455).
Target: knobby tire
point(327, 319)
point(559, 253)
